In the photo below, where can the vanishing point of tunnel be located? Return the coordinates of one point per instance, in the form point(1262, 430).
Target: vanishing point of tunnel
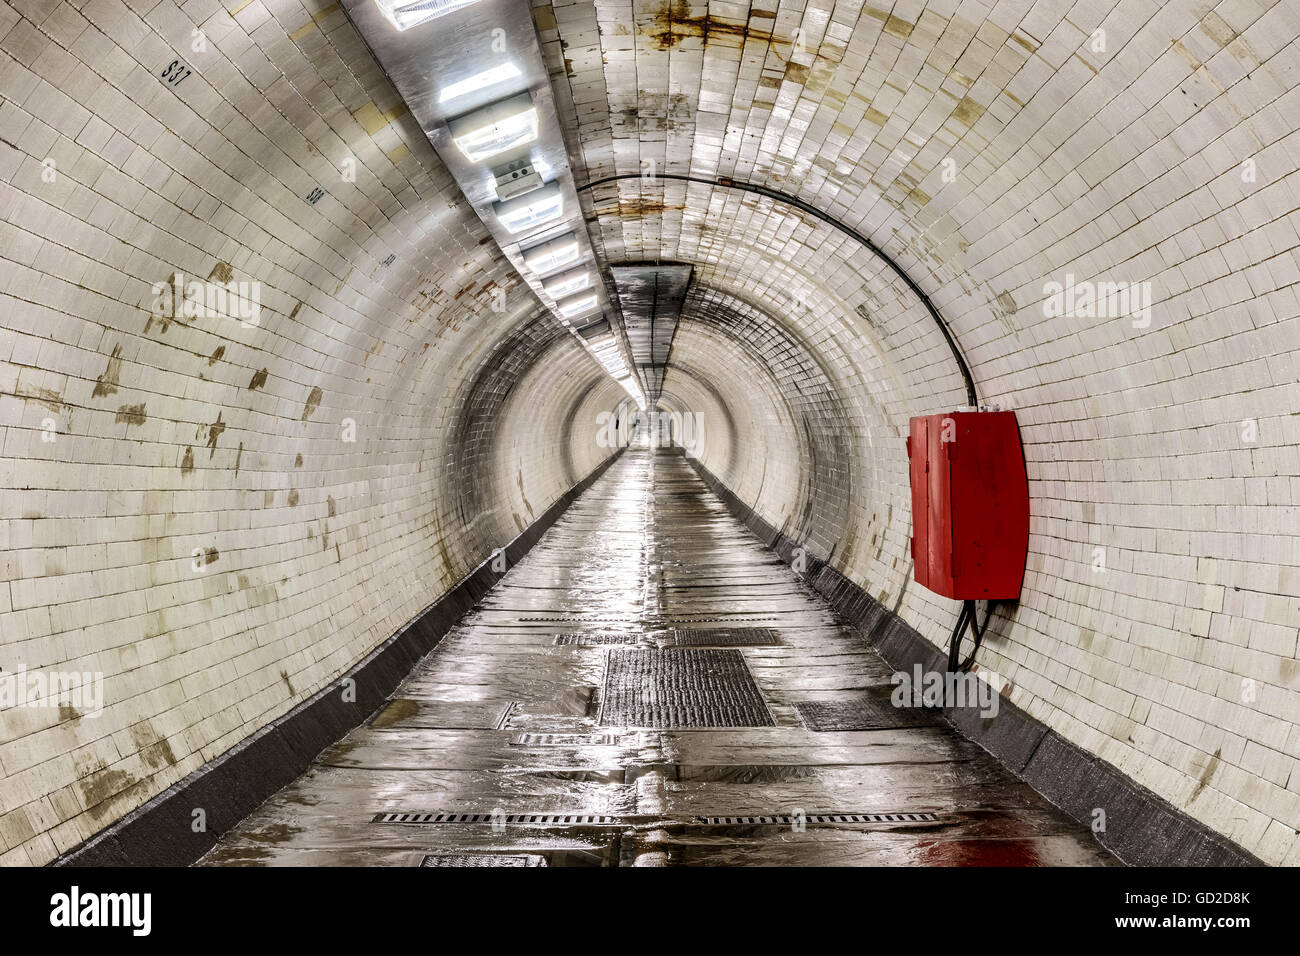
point(649, 433)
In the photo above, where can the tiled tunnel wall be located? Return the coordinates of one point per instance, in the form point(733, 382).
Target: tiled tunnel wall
point(388, 421)
point(989, 148)
point(804, 353)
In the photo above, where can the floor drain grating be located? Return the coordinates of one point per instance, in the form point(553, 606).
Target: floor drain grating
point(578, 620)
point(501, 819)
point(726, 637)
point(787, 819)
point(689, 688)
point(483, 859)
point(717, 619)
point(599, 639)
point(861, 713)
point(565, 740)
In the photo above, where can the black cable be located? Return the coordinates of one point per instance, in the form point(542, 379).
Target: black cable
point(967, 617)
point(799, 204)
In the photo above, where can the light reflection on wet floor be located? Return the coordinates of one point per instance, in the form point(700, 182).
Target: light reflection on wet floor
point(499, 719)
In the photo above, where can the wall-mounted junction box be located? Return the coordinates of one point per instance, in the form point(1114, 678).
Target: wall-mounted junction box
point(970, 505)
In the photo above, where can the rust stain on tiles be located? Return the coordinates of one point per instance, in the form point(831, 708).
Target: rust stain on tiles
point(544, 17)
point(967, 111)
point(187, 462)
point(217, 355)
point(672, 24)
point(130, 414)
point(214, 432)
point(898, 27)
point(372, 119)
point(42, 396)
point(258, 380)
point(222, 272)
point(107, 383)
point(312, 403)
point(99, 787)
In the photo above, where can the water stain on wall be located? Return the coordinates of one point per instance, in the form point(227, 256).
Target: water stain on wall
point(42, 396)
point(214, 432)
point(187, 463)
point(259, 379)
point(673, 23)
point(313, 403)
point(107, 383)
point(130, 415)
point(216, 356)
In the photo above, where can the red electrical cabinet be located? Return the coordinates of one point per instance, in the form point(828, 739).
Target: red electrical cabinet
point(970, 505)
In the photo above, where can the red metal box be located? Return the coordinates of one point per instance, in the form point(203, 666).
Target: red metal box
point(970, 505)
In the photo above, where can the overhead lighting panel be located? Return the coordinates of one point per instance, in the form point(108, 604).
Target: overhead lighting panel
point(497, 128)
point(557, 253)
point(530, 210)
point(577, 305)
point(405, 14)
point(567, 283)
point(479, 81)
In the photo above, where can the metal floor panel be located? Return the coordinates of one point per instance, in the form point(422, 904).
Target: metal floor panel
point(680, 688)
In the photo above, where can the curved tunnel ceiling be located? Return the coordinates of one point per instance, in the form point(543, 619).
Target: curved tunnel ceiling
point(405, 406)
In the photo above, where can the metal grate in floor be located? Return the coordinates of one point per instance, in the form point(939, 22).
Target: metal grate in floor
point(483, 859)
point(787, 819)
point(861, 713)
point(565, 740)
point(506, 819)
point(593, 640)
point(682, 688)
point(726, 637)
point(692, 619)
point(578, 620)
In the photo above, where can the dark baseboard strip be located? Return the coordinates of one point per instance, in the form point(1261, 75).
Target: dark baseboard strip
point(229, 788)
point(1141, 828)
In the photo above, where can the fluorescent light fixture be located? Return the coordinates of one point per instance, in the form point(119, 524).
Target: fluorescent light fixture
point(576, 305)
point(557, 253)
point(404, 14)
point(479, 81)
point(504, 125)
point(567, 283)
point(530, 210)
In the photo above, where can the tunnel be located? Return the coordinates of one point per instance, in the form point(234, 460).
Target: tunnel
point(485, 433)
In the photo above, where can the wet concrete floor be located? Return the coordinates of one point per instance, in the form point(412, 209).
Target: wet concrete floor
point(506, 748)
